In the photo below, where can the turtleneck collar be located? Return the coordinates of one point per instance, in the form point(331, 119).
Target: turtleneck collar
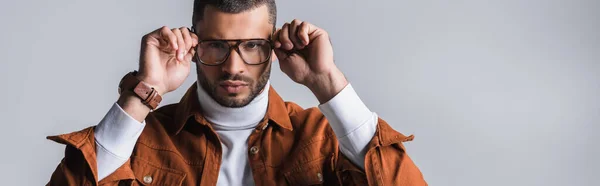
point(227, 118)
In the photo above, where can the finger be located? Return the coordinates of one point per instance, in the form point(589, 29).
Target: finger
point(187, 38)
point(181, 50)
point(195, 42)
point(303, 32)
point(168, 36)
point(293, 34)
point(284, 37)
point(194, 39)
point(190, 54)
point(314, 31)
point(276, 38)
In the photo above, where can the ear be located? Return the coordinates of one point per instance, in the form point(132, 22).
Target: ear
point(194, 57)
point(273, 56)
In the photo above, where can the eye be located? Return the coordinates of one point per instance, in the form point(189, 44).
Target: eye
point(216, 45)
point(251, 45)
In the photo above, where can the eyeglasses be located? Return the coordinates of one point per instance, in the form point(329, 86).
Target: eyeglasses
point(252, 51)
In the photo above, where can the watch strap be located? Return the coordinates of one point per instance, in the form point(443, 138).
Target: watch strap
point(147, 94)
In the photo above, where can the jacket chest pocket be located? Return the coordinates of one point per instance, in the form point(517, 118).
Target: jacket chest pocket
point(311, 173)
point(148, 174)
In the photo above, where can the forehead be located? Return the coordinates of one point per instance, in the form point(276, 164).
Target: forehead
point(217, 24)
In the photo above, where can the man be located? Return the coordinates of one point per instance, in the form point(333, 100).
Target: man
point(231, 127)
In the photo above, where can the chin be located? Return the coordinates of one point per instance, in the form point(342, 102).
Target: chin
point(234, 100)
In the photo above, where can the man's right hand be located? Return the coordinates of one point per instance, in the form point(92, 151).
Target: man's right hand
point(165, 57)
point(164, 64)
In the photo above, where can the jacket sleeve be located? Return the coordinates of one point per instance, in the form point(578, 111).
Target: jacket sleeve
point(386, 162)
point(78, 167)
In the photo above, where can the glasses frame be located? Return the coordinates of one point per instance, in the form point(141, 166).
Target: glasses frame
point(236, 47)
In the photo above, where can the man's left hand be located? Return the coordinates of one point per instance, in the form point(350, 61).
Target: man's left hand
point(305, 54)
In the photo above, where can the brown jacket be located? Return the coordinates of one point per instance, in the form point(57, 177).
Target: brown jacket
point(291, 146)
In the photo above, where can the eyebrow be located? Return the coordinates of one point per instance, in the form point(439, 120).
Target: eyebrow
point(219, 37)
point(215, 39)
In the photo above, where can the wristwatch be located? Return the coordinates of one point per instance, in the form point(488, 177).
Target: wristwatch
point(149, 95)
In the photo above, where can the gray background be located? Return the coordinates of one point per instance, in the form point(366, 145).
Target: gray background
point(496, 92)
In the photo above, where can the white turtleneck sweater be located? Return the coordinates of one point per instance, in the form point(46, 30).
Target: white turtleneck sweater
point(234, 125)
point(353, 123)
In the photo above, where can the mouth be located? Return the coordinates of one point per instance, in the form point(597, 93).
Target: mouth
point(232, 87)
point(233, 83)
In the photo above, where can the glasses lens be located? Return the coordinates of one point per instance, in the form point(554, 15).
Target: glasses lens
point(255, 51)
point(212, 52)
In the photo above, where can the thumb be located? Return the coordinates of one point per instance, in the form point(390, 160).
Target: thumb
point(275, 38)
point(281, 54)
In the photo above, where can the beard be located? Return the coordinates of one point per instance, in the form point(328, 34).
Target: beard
point(230, 100)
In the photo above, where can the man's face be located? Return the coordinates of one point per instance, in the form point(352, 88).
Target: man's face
point(234, 83)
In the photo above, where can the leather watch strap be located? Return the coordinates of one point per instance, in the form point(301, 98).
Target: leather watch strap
point(147, 94)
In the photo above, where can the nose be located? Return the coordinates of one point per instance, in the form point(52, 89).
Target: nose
point(234, 63)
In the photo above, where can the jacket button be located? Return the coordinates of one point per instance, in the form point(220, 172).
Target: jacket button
point(320, 177)
point(254, 150)
point(147, 179)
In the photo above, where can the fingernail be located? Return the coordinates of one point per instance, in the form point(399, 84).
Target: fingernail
point(289, 46)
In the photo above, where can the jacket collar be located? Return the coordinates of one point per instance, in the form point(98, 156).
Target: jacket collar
point(189, 106)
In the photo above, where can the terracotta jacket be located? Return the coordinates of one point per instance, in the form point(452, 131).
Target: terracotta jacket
point(291, 146)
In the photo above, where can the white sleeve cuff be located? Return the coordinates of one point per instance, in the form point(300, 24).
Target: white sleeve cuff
point(118, 132)
point(345, 112)
point(354, 145)
point(107, 162)
point(115, 138)
point(352, 122)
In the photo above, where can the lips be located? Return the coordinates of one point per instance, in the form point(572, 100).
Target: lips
point(233, 83)
point(233, 86)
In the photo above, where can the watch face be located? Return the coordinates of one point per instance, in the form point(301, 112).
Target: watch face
point(127, 81)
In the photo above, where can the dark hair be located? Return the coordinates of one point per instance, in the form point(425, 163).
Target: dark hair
point(234, 6)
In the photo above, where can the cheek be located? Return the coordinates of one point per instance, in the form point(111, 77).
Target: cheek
point(258, 71)
point(208, 72)
point(255, 72)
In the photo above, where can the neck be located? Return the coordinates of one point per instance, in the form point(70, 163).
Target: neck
point(227, 118)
